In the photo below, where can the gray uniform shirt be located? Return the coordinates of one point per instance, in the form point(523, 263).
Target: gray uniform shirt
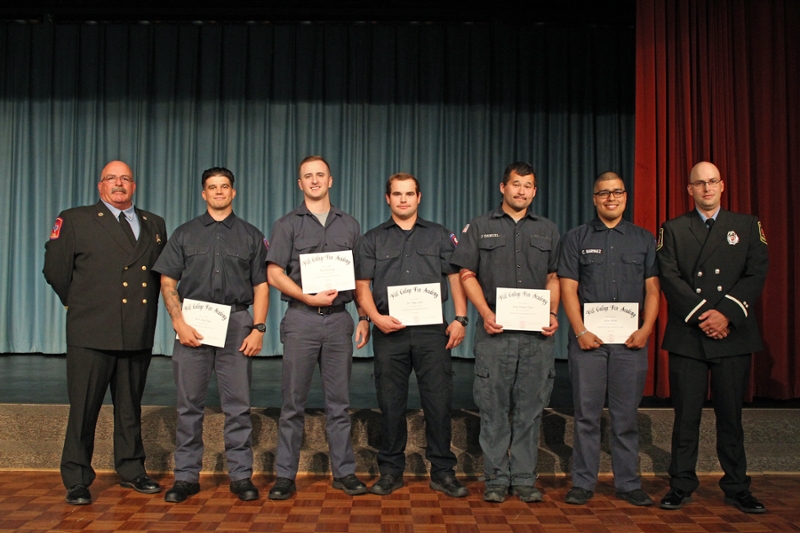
point(389, 257)
point(214, 261)
point(507, 254)
point(300, 232)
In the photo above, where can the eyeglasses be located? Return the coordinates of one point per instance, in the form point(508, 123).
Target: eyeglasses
point(126, 179)
point(700, 184)
point(604, 194)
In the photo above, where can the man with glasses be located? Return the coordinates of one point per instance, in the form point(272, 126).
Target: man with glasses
point(609, 261)
point(713, 264)
point(99, 262)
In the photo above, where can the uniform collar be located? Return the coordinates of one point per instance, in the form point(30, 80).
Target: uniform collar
point(302, 210)
point(499, 213)
point(597, 225)
point(419, 222)
point(129, 213)
point(207, 219)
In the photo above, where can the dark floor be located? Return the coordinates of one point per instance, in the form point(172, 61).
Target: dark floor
point(40, 379)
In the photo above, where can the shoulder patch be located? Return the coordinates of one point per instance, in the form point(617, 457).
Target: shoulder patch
point(453, 239)
point(55, 233)
point(465, 229)
point(266, 243)
point(660, 242)
point(761, 236)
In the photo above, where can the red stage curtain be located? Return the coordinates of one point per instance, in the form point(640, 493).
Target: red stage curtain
point(717, 80)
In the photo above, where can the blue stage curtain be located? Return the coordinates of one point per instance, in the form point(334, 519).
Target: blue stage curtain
point(451, 104)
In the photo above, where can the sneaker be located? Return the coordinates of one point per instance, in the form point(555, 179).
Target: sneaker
point(387, 484)
point(578, 496)
point(449, 484)
point(282, 489)
point(635, 497)
point(350, 484)
point(527, 493)
point(495, 493)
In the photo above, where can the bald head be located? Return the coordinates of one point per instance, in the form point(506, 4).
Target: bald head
point(116, 185)
point(705, 187)
point(702, 170)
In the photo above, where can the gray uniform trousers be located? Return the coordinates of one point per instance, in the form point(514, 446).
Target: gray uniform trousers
point(192, 370)
point(514, 373)
point(619, 371)
point(309, 338)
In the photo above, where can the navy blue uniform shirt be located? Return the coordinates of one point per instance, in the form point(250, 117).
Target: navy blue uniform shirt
point(390, 257)
point(214, 261)
point(505, 253)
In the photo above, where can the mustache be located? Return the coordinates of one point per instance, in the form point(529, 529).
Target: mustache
point(118, 189)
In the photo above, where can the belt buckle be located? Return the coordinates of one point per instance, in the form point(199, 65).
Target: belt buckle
point(319, 311)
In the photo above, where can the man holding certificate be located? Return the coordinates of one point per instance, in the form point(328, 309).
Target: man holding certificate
point(407, 261)
point(610, 291)
point(219, 260)
point(314, 244)
point(512, 252)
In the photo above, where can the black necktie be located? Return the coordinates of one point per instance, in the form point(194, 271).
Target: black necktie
point(709, 223)
point(126, 227)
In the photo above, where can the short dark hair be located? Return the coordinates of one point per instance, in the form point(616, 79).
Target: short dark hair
point(400, 176)
point(217, 171)
point(608, 175)
point(521, 168)
point(313, 158)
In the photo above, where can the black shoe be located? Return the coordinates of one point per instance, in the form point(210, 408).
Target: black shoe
point(578, 496)
point(350, 484)
point(527, 493)
point(744, 501)
point(180, 491)
point(387, 484)
point(244, 489)
point(675, 498)
point(142, 484)
point(495, 493)
point(635, 497)
point(79, 495)
point(449, 484)
point(282, 489)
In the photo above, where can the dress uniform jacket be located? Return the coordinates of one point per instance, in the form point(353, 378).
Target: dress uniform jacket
point(106, 283)
point(700, 269)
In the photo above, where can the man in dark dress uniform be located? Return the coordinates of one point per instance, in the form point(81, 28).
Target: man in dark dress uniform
point(712, 264)
point(98, 260)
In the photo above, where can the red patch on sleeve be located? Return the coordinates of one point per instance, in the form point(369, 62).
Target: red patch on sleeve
point(56, 231)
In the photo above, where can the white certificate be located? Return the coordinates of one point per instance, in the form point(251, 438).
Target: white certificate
point(209, 319)
point(612, 322)
point(523, 309)
point(416, 305)
point(327, 271)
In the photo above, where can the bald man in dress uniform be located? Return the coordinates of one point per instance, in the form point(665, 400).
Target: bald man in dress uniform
point(712, 264)
point(98, 261)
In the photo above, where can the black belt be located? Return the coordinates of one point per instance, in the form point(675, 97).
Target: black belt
point(239, 307)
point(329, 310)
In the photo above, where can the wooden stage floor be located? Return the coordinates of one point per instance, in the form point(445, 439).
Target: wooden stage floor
point(34, 501)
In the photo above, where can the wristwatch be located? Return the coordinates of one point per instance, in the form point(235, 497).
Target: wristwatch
point(363, 317)
point(260, 327)
point(462, 320)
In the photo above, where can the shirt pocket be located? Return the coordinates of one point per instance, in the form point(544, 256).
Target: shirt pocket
point(196, 257)
point(632, 267)
point(492, 243)
point(237, 263)
point(591, 273)
point(342, 244)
